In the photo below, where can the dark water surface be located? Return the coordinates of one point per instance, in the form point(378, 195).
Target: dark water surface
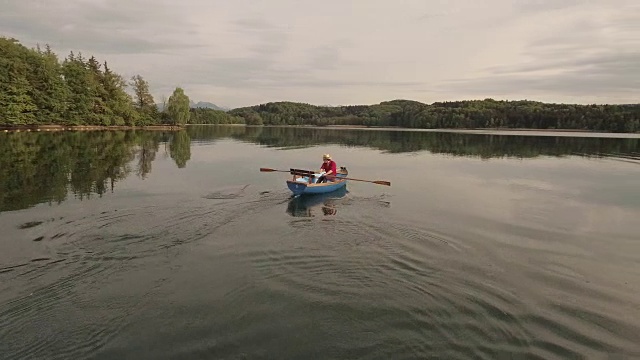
point(150, 245)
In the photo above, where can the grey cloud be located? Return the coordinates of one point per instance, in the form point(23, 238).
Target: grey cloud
point(328, 57)
point(262, 68)
point(248, 72)
point(324, 58)
point(93, 26)
point(161, 39)
point(443, 8)
point(253, 24)
point(626, 63)
point(529, 6)
point(435, 14)
point(86, 39)
point(598, 74)
point(579, 62)
point(269, 45)
point(268, 40)
point(326, 83)
point(235, 72)
point(570, 84)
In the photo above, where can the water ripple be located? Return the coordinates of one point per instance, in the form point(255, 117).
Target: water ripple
point(364, 284)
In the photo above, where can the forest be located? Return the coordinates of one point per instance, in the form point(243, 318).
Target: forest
point(469, 114)
point(37, 88)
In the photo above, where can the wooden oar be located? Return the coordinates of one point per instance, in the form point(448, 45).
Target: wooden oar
point(379, 182)
point(271, 170)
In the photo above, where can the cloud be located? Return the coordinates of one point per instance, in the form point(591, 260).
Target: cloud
point(97, 26)
point(241, 52)
point(446, 8)
point(531, 6)
point(594, 57)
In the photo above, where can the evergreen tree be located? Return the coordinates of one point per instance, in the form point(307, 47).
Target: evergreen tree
point(16, 104)
point(118, 101)
point(48, 88)
point(144, 102)
point(101, 114)
point(77, 77)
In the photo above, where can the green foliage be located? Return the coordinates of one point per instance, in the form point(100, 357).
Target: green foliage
point(212, 116)
point(473, 114)
point(16, 103)
point(117, 99)
point(143, 101)
point(178, 107)
point(37, 89)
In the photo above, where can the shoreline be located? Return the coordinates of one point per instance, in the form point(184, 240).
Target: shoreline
point(38, 128)
point(492, 131)
point(475, 131)
point(441, 129)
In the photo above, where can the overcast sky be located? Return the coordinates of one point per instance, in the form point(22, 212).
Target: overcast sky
point(245, 52)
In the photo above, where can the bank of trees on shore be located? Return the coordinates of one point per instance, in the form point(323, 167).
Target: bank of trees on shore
point(37, 88)
point(486, 113)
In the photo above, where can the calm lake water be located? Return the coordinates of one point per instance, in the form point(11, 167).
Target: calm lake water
point(151, 245)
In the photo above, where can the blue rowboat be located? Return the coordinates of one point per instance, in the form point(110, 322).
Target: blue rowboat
point(304, 182)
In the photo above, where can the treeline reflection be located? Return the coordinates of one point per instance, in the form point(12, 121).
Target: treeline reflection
point(484, 146)
point(41, 167)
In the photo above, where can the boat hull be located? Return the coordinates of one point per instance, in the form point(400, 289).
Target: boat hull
point(299, 188)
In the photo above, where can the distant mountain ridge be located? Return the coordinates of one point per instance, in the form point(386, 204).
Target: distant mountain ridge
point(199, 104)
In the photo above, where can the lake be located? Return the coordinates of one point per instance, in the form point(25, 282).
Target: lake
point(160, 245)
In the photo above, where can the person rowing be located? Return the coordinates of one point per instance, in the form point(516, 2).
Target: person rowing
point(328, 168)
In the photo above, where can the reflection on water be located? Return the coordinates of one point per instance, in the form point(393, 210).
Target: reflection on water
point(449, 143)
point(475, 259)
point(310, 205)
point(40, 167)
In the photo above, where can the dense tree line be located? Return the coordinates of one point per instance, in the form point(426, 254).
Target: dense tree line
point(213, 116)
point(469, 114)
point(36, 88)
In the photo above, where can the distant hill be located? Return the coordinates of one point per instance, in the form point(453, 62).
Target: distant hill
point(199, 104)
point(207, 105)
point(466, 114)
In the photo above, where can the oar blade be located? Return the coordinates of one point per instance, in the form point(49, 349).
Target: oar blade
point(380, 182)
point(267, 170)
